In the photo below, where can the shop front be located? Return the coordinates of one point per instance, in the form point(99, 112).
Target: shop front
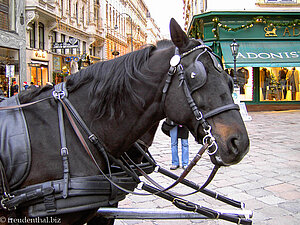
point(9, 69)
point(268, 59)
point(38, 67)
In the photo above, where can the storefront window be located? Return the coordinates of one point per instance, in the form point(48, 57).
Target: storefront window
point(8, 57)
point(245, 81)
point(279, 84)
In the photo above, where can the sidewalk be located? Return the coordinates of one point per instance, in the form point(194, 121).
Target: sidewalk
point(267, 180)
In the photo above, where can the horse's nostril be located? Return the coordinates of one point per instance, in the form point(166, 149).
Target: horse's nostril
point(233, 146)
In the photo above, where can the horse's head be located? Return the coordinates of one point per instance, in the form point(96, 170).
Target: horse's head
point(201, 99)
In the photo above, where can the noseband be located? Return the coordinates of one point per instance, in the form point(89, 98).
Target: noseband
point(176, 67)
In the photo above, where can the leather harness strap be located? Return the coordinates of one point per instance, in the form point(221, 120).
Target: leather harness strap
point(25, 104)
point(64, 150)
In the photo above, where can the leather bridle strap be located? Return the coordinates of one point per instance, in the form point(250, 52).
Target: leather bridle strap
point(221, 109)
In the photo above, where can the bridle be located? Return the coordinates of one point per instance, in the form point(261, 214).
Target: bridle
point(176, 67)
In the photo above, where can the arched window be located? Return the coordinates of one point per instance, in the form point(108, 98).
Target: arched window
point(41, 36)
point(32, 35)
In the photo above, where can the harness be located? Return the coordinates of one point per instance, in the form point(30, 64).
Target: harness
point(83, 193)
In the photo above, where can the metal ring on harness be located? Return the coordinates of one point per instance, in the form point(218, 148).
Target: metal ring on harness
point(58, 94)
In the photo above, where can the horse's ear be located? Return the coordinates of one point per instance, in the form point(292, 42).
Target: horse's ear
point(178, 36)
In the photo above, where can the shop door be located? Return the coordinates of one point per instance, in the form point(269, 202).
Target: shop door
point(39, 75)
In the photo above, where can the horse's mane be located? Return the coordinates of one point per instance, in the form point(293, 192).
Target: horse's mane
point(110, 82)
point(165, 43)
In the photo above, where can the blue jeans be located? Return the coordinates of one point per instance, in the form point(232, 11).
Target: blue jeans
point(174, 148)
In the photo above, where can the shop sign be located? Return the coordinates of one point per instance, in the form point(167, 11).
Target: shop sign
point(264, 52)
point(56, 63)
point(268, 55)
point(287, 32)
point(10, 70)
point(72, 58)
point(39, 54)
point(72, 43)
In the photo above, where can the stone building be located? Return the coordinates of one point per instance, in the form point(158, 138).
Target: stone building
point(12, 44)
point(153, 31)
point(63, 36)
point(126, 26)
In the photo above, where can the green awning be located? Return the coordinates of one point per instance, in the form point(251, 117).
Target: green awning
point(263, 54)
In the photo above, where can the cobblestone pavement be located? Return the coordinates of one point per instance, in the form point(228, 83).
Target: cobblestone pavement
point(267, 180)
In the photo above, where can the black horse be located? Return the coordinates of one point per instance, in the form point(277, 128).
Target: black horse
point(119, 100)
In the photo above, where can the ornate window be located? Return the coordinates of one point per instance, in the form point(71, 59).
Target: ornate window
point(76, 12)
point(41, 36)
point(7, 15)
point(32, 35)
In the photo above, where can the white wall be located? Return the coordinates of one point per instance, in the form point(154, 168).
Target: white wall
point(231, 5)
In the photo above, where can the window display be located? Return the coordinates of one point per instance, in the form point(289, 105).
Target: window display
point(8, 57)
point(244, 77)
point(279, 84)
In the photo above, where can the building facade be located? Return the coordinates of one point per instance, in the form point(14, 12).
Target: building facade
point(64, 36)
point(153, 31)
point(268, 61)
point(126, 26)
point(12, 44)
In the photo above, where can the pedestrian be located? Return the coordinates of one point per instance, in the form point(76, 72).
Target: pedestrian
point(176, 131)
point(25, 86)
point(14, 88)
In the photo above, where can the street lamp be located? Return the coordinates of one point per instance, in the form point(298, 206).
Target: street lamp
point(236, 90)
point(234, 46)
point(116, 27)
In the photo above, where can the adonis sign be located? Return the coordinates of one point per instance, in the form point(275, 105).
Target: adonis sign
point(268, 55)
point(284, 31)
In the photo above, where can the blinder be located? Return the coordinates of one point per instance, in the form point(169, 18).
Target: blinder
point(195, 75)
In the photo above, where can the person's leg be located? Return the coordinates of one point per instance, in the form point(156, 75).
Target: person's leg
point(185, 152)
point(174, 148)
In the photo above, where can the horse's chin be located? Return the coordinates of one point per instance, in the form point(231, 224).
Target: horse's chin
point(217, 160)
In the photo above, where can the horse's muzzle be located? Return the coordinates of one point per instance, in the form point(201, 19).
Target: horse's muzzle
point(232, 151)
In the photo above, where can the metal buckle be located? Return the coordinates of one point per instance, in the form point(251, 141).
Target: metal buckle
point(64, 151)
point(93, 138)
point(5, 198)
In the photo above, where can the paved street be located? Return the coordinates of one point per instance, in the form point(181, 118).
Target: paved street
point(267, 180)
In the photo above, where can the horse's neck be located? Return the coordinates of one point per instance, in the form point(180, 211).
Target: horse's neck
point(119, 133)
